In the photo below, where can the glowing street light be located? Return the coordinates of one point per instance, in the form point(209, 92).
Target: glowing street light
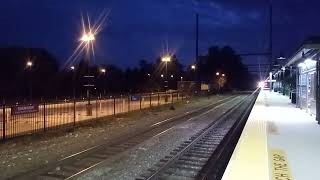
point(217, 73)
point(161, 75)
point(223, 75)
point(166, 58)
point(29, 64)
point(171, 76)
point(181, 78)
point(193, 67)
point(103, 70)
point(73, 82)
point(87, 37)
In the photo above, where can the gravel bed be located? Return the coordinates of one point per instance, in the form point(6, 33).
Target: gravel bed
point(31, 152)
point(134, 162)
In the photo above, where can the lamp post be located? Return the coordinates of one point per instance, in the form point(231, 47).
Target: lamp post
point(166, 59)
point(29, 65)
point(193, 69)
point(72, 68)
point(87, 39)
point(103, 71)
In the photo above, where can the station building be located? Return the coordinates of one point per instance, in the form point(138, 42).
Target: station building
point(298, 77)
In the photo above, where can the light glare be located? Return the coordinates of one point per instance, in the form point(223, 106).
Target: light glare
point(29, 63)
point(166, 59)
point(261, 84)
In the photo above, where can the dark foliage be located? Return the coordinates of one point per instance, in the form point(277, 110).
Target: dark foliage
point(45, 80)
point(225, 61)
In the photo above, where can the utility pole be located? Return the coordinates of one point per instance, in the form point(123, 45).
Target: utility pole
point(270, 41)
point(197, 37)
point(197, 47)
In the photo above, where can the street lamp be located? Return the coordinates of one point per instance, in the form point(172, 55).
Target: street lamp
point(217, 73)
point(29, 65)
point(161, 75)
point(223, 75)
point(87, 39)
point(103, 71)
point(171, 76)
point(193, 67)
point(166, 59)
point(181, 78)
point(72, 68)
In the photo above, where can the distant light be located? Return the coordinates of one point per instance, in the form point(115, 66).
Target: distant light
point(166, 58)
point(162, 75)
point(181, 77)
point(261, 84)
point(281, 58)
point(103, 70)
point(193, 67)
point(223, 75)
point(149, 74)
point(283, 68)
point(29, 63)
point(217, 73)
point(72, 67)
point(171, 75)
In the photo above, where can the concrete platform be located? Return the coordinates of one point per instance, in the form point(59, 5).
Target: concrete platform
point(279, 142)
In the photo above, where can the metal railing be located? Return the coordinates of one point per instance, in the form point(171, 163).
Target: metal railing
point(18, 120)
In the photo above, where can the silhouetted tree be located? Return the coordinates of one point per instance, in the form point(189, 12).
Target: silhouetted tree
point(225, 61)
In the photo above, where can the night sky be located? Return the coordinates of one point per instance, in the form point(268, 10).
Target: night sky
point(138, 29)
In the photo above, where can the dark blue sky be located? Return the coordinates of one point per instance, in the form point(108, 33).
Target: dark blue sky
point(138, 29)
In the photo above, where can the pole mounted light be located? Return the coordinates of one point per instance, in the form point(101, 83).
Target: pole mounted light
point(217, 73)
point(103, 70)
point(193, 67)
point(166, 58)
point(29, 64)
point(87, 37)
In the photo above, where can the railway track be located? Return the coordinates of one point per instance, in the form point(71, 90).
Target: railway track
point(193, 159)
point(80, 162)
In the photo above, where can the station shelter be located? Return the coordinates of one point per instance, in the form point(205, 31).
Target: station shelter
point(299, 77)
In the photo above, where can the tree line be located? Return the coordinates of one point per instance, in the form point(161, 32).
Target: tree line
point(44, 79)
